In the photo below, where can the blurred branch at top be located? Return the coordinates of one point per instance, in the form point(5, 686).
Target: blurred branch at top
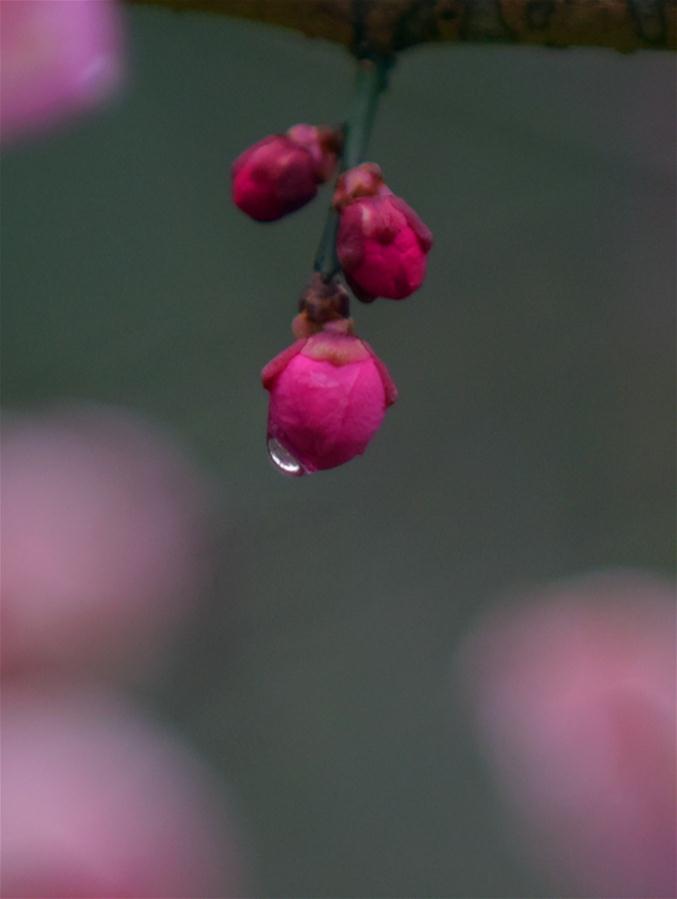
point(370, 27)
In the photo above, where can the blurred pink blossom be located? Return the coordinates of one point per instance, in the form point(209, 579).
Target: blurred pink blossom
point(96, 802)
point(573, 693)
point(58, 57)
point(103, 539)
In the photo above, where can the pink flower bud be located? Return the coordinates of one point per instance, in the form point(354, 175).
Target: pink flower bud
point(58, 58)
point(382, 243)
point(280, 173)
point(328, 396)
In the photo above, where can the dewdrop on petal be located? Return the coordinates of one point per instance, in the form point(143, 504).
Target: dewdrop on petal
point(328, 396)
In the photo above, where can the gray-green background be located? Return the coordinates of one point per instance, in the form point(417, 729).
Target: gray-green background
point(532, 438)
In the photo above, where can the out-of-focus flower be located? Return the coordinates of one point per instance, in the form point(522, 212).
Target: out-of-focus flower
point(57, 58)
point(328, 396)
point(382, 244)
point(98, 803)
point(103, 539)
point(280, 173)
point(574, 698)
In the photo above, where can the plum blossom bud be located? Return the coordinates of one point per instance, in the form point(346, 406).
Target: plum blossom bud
point(280, 173)
point(59, 57)
point(328, 395)
point(382, 243)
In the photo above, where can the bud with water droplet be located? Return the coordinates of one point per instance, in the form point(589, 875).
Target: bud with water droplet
point(328, 395)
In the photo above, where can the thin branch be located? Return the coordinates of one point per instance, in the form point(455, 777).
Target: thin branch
point(381, 27)
point(371, 81)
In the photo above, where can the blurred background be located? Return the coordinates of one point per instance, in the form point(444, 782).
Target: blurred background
point(532, 441)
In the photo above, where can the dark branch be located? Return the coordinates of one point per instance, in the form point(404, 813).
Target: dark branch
point(378, 27)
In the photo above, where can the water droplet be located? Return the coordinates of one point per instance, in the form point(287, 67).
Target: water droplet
point(283, 460)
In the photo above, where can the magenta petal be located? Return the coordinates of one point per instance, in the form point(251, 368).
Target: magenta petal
point(278, 364)
point(416, 223)
point(388, 384)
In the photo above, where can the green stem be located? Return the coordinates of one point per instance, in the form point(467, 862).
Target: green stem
point(371, 81)
point(326, 260)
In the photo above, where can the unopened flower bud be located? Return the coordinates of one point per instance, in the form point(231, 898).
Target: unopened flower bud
point(382, 244)
point(280, 173)
point(323, 144)
point(328, 396)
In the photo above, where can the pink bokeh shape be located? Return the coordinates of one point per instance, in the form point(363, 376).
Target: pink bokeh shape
point(573, 692)
point(57, 58)
point(103, 539)
point(99, 803)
